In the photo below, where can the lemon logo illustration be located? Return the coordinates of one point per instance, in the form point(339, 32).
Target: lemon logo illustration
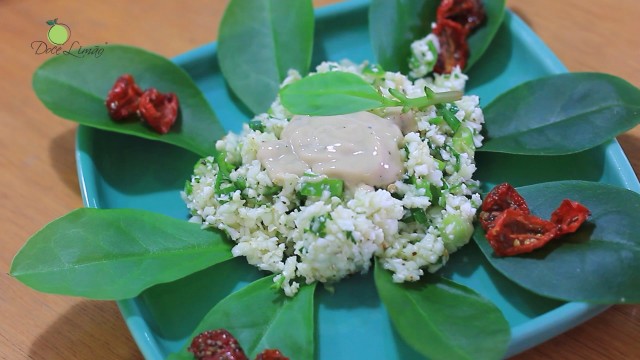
point(58, 33)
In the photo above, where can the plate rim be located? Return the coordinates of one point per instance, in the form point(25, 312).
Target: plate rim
point(523, 336)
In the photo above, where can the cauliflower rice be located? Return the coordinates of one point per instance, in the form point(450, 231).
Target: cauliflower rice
point(411, 226)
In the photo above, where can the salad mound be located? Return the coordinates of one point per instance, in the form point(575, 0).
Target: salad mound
point(315, 227)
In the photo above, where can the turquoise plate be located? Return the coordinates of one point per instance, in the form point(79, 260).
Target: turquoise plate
point(119, 171)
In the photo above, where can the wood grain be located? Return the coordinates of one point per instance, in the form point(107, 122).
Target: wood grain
point(38, 180)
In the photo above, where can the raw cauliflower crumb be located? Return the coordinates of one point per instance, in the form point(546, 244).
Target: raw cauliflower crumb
point(412, 225)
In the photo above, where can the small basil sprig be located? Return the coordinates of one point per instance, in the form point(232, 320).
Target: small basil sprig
point(113, 254)
point(259, 42)
point(76, 90)
point(560, 114)
point(442, 319)
point(261, 317)
point(338, 92)
point(599, 263)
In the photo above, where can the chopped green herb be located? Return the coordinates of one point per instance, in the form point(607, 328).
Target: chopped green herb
point(349, 235)
point(449, 115)
point(316, 188)
point(240, 183)
point(223, 175)
point(318, 225)
point(256, 125)
point(272, 190)
point(419, 216)
point(188, 188)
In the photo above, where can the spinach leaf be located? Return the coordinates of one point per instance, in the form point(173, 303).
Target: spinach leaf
point(330, 93)
point(442, 319)
point(262, 317)
point(113, 254)
point(599, 263)
point(394, 25)
point(561, 114)
point(259, 41)
point(338, 92)
point(76, 90)
point(481, 38)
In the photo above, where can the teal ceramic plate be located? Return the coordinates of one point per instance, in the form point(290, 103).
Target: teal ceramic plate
point(118, 171)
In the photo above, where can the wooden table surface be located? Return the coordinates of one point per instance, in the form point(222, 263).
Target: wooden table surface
point(38, 180)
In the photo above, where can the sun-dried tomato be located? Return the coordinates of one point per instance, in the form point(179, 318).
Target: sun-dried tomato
point(122, 99)
point(569, 216)
point(511, 229)
point(271, 354)
point(454, 50)
point(515, 232)
point(500, 198)
point(216, 345)
point(159, 110)
point(455, 21)
point(468, 13)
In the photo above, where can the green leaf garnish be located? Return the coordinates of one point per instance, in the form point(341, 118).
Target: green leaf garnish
point(76, 90)
point(113, 254)
point(259, 41)
point(338, 92)
point(264, 318)
point(482, 37)
point(442, 319)
point(394, 25)
point(561, 114)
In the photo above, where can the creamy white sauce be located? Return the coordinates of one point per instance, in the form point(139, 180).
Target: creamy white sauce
point(359, 148)
point(404, 120)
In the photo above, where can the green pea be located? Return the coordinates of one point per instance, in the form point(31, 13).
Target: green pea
point(463, 141)
point(459, 234)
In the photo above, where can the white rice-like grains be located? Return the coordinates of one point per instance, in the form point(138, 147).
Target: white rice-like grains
point(327, 238)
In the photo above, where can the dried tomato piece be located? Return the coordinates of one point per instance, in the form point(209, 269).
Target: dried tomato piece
point(515, 232)
point(455, 21)
point(468, 13)
point(122, 99)
point(271, 354)
point(569, 216)
point(159, 110)
point(500, 198)
point(454, 50)
point(216, 345)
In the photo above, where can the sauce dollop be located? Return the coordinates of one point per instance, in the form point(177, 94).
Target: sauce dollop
point(359, 148)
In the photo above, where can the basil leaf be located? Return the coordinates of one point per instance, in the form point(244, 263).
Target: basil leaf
point(262, 317)
point(259, 41)
point(113, 254)
point(481, 38)
point(598, 264)
point(561, 114)
point(76, 90)
point(442, 319)
point(394, 25)
point(330, 93)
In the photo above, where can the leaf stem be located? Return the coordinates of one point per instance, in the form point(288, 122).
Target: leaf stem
point(430, 98)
